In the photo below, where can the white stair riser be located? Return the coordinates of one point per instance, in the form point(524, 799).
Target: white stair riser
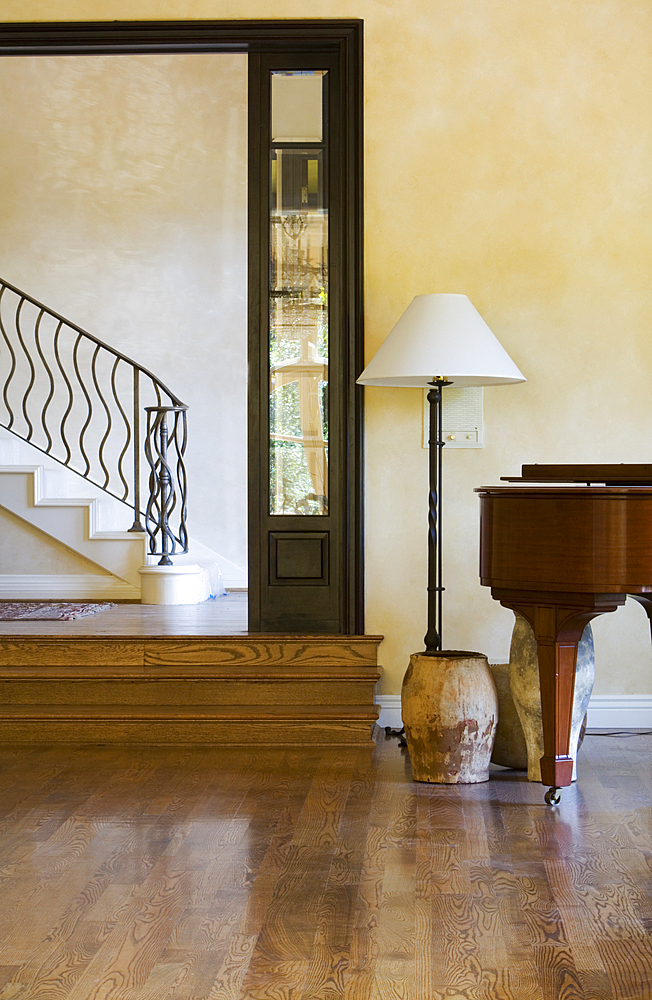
point(73, 522)
point(61, 482)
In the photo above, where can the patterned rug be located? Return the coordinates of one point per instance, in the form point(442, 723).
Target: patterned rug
point(14, 611)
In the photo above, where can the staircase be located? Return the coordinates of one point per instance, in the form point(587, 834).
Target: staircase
point(83, 405)
point(106, 432)
point(236, 690)
point(73, 521)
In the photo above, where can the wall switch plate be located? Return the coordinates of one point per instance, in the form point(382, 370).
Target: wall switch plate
point(462, 417)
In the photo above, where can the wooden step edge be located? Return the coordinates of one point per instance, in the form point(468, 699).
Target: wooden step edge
point(162, 655)
point(101, 666)
point(260, 675)
point(134, 713)
point(239, 638)
point(264, 735)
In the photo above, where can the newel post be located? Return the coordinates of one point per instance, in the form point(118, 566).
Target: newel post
point(165, 448)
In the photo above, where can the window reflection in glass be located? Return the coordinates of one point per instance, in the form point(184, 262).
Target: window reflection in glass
point(298, 311)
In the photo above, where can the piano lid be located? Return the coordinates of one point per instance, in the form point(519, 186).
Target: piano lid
point(623, 474)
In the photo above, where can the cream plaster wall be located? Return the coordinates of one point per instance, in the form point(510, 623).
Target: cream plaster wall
point(507, 156)
point(123, 207)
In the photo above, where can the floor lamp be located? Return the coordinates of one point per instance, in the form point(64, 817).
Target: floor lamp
point(439, 340)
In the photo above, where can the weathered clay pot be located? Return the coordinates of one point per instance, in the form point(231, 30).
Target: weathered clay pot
point(524, 684)
point(450, 711)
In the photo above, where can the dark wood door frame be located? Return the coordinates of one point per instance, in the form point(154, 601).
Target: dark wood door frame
point(254, 37)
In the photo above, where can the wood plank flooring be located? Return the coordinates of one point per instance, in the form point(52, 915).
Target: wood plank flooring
point(222, 616)
point(213, 873)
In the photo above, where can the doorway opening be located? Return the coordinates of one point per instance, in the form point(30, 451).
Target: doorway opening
point(305, 541)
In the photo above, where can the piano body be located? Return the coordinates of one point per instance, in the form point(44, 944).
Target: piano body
point(561, 550)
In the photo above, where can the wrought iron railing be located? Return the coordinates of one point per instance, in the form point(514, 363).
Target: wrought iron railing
point(80, 401)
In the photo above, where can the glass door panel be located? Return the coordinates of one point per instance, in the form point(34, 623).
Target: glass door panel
point(298, 296)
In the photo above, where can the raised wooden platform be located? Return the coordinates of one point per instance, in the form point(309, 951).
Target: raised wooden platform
point(135, 674)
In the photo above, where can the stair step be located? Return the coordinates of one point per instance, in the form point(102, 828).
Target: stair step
point(190, 712)
point(73, 521)
point(272, 690)
point(206, 690)
point(192, 672)
point(314, 725)
point(158, 652)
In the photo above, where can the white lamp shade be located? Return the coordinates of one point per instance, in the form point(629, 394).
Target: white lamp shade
point(441, 335)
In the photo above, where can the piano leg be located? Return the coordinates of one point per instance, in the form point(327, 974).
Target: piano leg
point(557, 637)
point(558, 622)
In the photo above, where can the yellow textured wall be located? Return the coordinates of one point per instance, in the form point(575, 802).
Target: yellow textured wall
point(508, 157)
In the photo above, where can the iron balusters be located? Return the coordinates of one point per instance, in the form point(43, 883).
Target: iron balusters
point(79, 401)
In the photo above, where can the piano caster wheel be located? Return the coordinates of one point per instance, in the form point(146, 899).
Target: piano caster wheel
point(553, 796)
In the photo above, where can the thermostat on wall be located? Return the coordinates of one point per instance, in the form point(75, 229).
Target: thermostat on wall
point(462, 423)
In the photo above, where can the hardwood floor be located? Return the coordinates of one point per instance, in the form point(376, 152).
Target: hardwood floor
point(222, 616)
point(212, 873)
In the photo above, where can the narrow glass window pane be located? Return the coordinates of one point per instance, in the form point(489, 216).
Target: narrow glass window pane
point(297, 106)
point(298, 324)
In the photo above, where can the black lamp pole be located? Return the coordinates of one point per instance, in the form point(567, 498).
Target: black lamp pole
point(433, 637)
point(436, 444)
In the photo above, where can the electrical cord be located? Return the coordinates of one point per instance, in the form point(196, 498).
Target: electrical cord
point(623, 733)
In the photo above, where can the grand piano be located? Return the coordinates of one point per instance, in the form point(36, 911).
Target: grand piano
point(561, 550)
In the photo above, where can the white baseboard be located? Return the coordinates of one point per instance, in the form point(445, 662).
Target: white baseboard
point(72, 587)
point(390, 710)
point(611, 711)
point(620, 711)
